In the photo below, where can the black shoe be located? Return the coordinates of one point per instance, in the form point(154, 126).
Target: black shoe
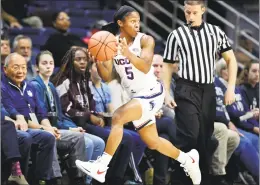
point(95, 182)
point(115, 181)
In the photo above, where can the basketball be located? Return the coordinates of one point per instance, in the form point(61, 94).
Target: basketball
point(102, 45)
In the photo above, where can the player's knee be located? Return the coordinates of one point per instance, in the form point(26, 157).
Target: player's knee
point(117, 119)
point(153, 145)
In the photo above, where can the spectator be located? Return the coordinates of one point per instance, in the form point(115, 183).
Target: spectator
point(238, 108)
point(15, 150)
point(96, 27)
point(5, 48)
point(5, 51)
point(101, 92)
point(15, 69)
point(72, 84)
point(228, 141)
point(19, 12)
point(23, 45)
point(118, 96)
point(158, 71)
point(247, 150)
point(30, 108)
point(48, 94)
point(61, 41)
point(249, 85)
point(248, 45)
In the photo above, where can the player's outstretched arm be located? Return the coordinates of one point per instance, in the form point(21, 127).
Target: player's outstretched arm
point(144, 62)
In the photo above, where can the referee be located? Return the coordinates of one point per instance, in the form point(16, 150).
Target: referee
point(195, 45)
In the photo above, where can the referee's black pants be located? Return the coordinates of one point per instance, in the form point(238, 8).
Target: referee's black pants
point(195, 115)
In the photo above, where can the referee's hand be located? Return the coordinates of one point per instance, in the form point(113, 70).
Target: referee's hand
point(169, 101)
point(229, 96)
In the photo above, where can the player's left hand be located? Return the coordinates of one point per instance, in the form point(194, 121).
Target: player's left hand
point(122, 47)
point(229, 96)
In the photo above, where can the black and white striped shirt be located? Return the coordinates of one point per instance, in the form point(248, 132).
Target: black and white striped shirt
point(196, 49)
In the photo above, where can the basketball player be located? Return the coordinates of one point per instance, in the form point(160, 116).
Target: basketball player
point(134, 66)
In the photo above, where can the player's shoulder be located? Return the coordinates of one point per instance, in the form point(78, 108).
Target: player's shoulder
point(145, 36)
point(146, 39)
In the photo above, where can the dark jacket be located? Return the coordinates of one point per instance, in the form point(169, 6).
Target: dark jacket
point(22, 101)
point(250, 95)
point(76, 97)
point(3, 113)
point(41, 89)
point(237, 109)
point(221, 111)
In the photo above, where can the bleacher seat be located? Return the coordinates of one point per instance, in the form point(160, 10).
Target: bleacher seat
point(82, 22)
point(39, 40)
point(108, 15)
point(79, 31)
point(86, 4)
point(25, 30)
point(75, 12)
point(100, 14)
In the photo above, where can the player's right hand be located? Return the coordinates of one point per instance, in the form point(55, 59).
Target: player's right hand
point(169, 101)
point(92, 57)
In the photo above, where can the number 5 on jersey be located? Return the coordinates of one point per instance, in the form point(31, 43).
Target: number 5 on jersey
point(129, 73)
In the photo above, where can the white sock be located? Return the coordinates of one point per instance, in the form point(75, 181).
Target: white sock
point(106, 158)
point(182, 158)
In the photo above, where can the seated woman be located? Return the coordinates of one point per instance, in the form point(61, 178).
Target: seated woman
point(61, 41)
point(72, 84)
point(48, 94)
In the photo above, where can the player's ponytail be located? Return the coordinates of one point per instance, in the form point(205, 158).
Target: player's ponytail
point(111, 27)
point(120, 14)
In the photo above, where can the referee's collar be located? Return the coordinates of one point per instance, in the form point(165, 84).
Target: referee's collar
point(197, 27)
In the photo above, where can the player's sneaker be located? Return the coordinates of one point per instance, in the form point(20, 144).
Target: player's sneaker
point(191, 167)
point(95, 169)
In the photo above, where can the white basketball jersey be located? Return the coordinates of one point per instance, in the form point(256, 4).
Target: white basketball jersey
point(132, 79)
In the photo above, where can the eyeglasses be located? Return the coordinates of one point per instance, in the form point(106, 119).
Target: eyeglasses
point(18, 67)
